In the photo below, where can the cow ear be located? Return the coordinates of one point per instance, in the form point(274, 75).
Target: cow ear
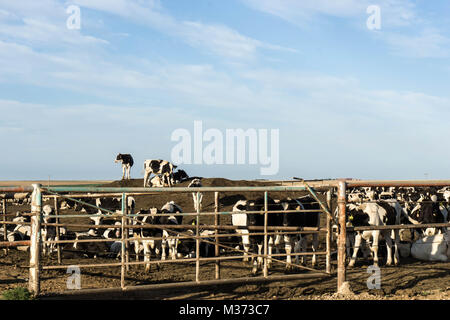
point(175, 167)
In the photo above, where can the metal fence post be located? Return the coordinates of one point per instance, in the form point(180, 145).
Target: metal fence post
point(265, 271)
point(216, 223)
point(197, 241)
point(342, 233)
point(329, 232)
point(122, 251)
point(5, 233)
point(35, 248)
point(58, 234)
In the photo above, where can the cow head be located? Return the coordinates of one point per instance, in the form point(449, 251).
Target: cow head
point(118, 158)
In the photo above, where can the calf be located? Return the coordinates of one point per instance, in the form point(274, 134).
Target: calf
point(159, 167)
point(127, 163)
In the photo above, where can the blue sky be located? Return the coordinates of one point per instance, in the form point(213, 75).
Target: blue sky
point(348, 101)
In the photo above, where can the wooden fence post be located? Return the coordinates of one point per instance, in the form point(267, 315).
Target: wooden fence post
point(36, 241)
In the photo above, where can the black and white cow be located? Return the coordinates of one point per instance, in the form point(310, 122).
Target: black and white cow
point(428, 212)
point(180, 176)
point(300, 219)
point(19, 232)
point(188, 246)
point(127, 162)
point(196, 183)
point(257, 220)
point(159, 167)
point(141, 235)
point(49, 232)
point(111, 204)
point(239, 219)
point(374, 214)
point(158, 217)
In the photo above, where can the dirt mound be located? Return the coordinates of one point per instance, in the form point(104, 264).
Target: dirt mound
point(132, 183)
point(206, 182)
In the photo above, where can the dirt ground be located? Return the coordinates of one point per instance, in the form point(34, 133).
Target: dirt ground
point(409, 281)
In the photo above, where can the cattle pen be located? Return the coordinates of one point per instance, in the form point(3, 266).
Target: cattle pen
point(331, 188)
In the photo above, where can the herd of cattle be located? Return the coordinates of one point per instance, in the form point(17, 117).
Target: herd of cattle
point(365, 207)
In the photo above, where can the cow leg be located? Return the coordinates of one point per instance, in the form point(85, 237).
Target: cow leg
point(123, 172)
point(350, 243)
point(315, 246)
point(388, 249)
point(246, 245)
point(147, 254)
point(288, 245)
point(303, 248)
point(298, 248)
point(128, 172)
point(163, 249)
point(277, 243)
point(257, 262)
point(355, 249)
point(269, 251)
point(44, 238)
point(396, 245)
point(146, 177)
point(376, 237)
point(136, 249)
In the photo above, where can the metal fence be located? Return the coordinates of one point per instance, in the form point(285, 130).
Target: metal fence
point(36, 241)
point(341, 187)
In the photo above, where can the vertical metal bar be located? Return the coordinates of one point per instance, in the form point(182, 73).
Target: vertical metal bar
point(58, 234)
point(122, 252)
point(329, 232)
point(342, 234)
point(197, 241)
point(5, 231)
point(265, 271)
point(35, 247)
point(216, 223)
point(127, 232)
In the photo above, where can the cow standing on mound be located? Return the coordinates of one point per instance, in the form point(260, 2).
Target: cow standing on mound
point(127, 163)
point(159, 167)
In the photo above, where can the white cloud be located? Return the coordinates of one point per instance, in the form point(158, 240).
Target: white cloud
point(394, 12)
point(220, 40)
point(403, 28)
